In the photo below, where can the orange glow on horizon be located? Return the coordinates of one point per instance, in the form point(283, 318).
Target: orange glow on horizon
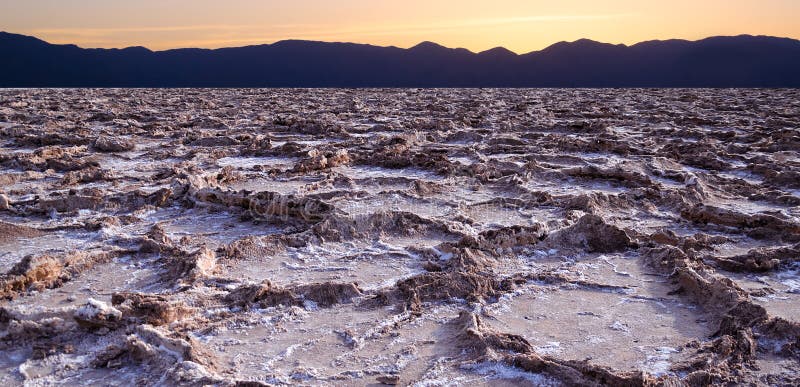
point(519, 25)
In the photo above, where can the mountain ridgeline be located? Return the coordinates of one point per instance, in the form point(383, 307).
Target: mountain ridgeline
point(731, 61)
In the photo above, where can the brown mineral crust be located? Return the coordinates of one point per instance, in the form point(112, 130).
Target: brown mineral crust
point(722, 361)
point(694, 279)
point(620, 174)
point(592, 233)
point(183, 267)
point(328, 294)
point(259, 145)
point(737, 315)
point(311, 126)
point(59, 158)
point(783, 178)
point(18, 332)
point(758, 226)
point(577, 373)
point(289, 149)
point(88, 175)
point(469, 258)
point(468, 275)
point(589, 203)
point(23, 137)
point(252, 246)
point(44, 350)
point(228, 175)
point(46, 271)
point(338, 228)
point(267, 205)
point(5, 202)
point(157, 241)
point(395, 154)
point(95, 200)
point(472, 334)
point(389, 380)
point(318, 161)
point(72, 202)
point(760, 260)
point(696, 242)
point(247, 295)
point(507, 237)
point(216, 141)
point(788, 332)
point(266, 294)
point(10, 232)
point(439, 286)
point(150, 309)
point(111, 144)
point(554, 278)
point(423, 188)
point(516, 351)
point(147, 345)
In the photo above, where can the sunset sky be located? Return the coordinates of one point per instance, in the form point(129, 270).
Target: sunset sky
point(520, 25)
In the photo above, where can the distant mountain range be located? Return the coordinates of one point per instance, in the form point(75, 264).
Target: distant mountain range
point(726, 61)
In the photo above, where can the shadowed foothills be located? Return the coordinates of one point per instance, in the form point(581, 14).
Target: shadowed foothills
point(729, 61)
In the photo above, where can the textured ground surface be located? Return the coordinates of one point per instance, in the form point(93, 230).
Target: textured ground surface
point(423, 237)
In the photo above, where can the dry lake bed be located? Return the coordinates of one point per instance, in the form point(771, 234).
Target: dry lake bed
point(403, 236)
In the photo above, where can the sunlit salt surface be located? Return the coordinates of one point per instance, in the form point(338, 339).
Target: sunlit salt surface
point(422, 237)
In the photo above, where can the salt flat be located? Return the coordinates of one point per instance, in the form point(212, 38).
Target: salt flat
point(399, 236)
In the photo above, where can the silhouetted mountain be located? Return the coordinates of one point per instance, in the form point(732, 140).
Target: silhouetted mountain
point(498, 52)
point(738, 61)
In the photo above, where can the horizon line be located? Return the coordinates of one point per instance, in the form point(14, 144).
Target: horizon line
point(265, 43)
